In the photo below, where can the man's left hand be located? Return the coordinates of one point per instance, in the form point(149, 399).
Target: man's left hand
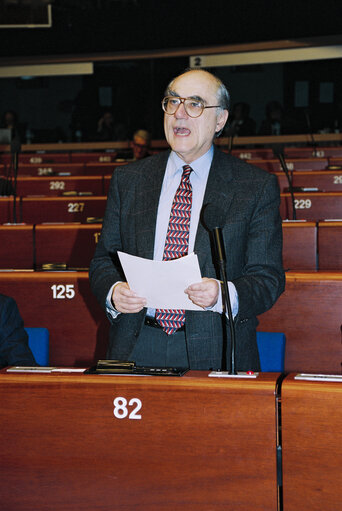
point(204, 293)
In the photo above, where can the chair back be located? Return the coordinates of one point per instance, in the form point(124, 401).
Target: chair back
point(38, 341)
point(271, 346)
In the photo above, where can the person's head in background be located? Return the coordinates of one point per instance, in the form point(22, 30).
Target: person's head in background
point(240, 111)
point(9, 119)
point(141, 144)
point(274, 111)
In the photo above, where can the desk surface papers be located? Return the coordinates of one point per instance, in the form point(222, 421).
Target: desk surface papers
point(162, 283)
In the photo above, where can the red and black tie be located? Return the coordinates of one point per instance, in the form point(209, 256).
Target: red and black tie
point(177, 244)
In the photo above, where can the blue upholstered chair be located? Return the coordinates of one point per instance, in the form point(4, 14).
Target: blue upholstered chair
point(271, 346)
point(38, 340)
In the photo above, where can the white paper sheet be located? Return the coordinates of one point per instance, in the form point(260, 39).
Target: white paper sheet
point(162, 283)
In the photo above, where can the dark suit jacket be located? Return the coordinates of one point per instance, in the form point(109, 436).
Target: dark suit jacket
point(252, 235)
point(14, 349)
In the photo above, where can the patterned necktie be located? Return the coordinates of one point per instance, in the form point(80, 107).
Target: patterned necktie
point(176, 245)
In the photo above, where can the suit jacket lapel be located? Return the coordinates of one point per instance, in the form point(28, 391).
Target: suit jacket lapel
point(147, 201)
point(219, 192)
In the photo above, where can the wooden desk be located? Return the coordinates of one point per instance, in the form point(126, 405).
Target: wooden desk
point(201, 443)
point(330, 245)
point(102, 169)
point(295, 164)
point(16, 243)
point(325, 180)
point(300, 245)
point(97, 157)
point(50, 169)
point(309, 313)
point(6, 209)
point(37, 158)
point(312, 206)
point(71, 244)
point(312, 445)
point(63, 303)
point(61, 209)
point(57, 185)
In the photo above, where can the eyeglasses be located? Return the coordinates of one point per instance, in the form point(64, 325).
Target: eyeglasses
point(193, 107)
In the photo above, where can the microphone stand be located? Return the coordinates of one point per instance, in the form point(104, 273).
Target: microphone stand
point(313, 141)
point(280, 155)
point(15, 150)
point(227, 307)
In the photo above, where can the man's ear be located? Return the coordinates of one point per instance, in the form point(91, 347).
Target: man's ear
point(221, 120)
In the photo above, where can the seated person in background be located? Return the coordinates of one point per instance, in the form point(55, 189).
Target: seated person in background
point(10, 121)
point(6, 187)
point(14, 349)
point(240, 124)
point(276, 121)
point(105, 127)
point(141, 144)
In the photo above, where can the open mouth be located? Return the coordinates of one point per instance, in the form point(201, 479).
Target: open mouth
point(183, 132)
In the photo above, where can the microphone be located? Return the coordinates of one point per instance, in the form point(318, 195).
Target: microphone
point(15, 150)
point(214, 220)
point(279, 153)
point(308, 123)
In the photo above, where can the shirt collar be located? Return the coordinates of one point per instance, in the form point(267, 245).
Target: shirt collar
point(199, 166)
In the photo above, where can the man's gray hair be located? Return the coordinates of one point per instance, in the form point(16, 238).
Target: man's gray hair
point(223, 96)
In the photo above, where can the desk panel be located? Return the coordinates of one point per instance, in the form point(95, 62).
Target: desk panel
point(63, 303)
point(312, 206)
point(93, 157)
point(57, 185)
point(61, 209)
point(37, 158)
point(309, 313)
point(325, 181)
point(101, 169)
point(300, 245)
point(200, 444)
point(293, 164)
point(330, 245)
point(71, 244)
point(50, 169)
point(6, 210)
point(312, 445)
point(16, 242)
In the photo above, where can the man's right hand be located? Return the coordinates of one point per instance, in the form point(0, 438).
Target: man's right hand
point(125, 300)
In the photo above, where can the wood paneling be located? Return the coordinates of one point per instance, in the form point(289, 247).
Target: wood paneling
point(300, 245)
point(330, 246)
point(309, 313)
point(312, 445)
point(61, 209)
point(201, 443)
point(71, 244)
point(57, 185)
point(16, 242)
point(312, 206)
point(63, 303)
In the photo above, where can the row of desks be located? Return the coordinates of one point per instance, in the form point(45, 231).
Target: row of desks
point(324, 181)
point(106, 165)
point(308, 206)
point(88, 442)
point(306, 245)
point(108, 156)
point(308, 313)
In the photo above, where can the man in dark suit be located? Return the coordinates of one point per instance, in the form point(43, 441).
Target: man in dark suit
point(14, 349)
point(140, 200)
